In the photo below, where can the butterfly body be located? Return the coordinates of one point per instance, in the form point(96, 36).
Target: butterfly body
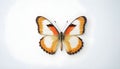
point(61, 38)
point(69, 38)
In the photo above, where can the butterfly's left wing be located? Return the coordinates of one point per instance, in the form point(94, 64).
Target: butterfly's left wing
point(50, 34)
point(71, 40)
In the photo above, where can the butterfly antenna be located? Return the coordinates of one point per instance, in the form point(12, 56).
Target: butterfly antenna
point(55, 21)
point(67, 21)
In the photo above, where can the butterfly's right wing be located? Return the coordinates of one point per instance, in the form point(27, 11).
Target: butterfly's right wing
point(77, 26)
point(72, 41)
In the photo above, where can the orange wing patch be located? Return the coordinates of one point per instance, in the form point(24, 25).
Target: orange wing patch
point(53, 29)
point(69, 29)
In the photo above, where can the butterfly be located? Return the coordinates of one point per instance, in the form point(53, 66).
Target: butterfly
point(52, 37)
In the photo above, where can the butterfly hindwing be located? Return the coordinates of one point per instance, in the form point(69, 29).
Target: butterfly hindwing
point(73, 44)
point(71, 40)
point(49, 44)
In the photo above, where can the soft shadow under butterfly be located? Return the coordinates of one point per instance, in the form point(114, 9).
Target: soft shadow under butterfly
point(52, 37)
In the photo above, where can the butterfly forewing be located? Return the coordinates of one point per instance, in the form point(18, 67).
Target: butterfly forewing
point(45, 27)
point(76, 27)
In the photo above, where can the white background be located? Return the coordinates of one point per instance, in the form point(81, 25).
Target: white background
point(19, 37)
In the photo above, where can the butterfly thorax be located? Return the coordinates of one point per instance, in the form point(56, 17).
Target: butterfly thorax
point(61, 36)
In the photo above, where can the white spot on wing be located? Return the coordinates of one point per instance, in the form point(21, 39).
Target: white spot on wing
point(73, 41)
point(48, 41)
point(46, 30)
